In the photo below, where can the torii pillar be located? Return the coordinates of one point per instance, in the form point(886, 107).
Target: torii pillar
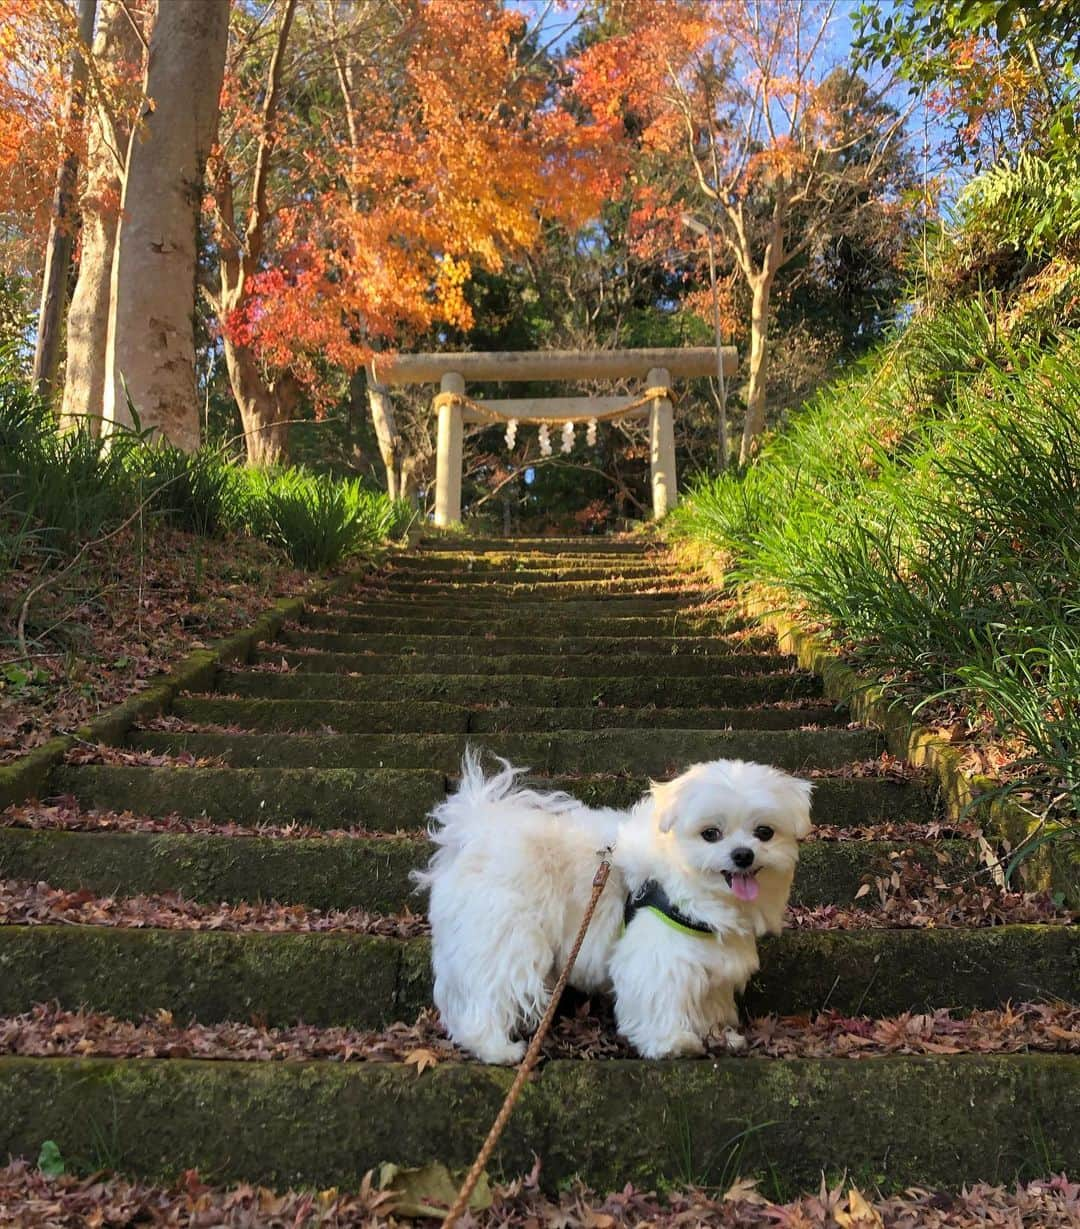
point(665, 493)
point(448, 453)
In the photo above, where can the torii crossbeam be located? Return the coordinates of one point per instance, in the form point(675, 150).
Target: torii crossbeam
point(658, 367)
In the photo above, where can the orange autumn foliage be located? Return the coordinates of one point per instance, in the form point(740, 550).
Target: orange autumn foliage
point(37, 38)
point(461, 157)
point(739, 113)
point(35, 45)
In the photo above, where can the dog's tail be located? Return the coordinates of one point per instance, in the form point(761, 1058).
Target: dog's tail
point(474, 805)
point(475, 791)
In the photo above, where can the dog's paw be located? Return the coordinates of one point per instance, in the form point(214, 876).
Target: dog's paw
point(679, 1045)
point(734, 1040)
point(500, 1053)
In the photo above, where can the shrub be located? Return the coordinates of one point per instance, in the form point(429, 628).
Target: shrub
point(60, 490)
point(1031, 205)
point(318, 520)
point(200, 492)
point(937, 535)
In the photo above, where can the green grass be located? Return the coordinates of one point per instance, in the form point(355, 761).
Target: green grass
point(58, 491)
point(927, 509)
point(318, 520)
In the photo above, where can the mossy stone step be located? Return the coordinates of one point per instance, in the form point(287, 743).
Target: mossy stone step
point(488, 606)
point(324, 1124)
point(544, 644)
point(346, 872)
point(503, 566)
point(387, 800)
point(381, 800)
point(425, 560)
point(629, 627)
point(555, 591)
point(467, 546)
point(331, 977)
point(533, 689)
point(651, 751)
point(604, 580)
point(432, 717)
point(581, 665)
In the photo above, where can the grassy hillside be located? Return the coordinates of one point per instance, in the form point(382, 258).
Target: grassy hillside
point(925, 509)
point(115, 560)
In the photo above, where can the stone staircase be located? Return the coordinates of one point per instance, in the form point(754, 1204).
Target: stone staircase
point(597, 664)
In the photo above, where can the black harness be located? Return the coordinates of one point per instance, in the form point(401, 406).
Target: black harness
point(653, 897)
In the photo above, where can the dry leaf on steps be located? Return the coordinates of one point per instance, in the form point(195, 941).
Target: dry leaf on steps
point(744, 1190)
point(860, 1215)
point(422, 1059)
point(429, 1190)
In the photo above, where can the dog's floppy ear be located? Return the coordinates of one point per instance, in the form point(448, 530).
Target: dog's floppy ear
point(799, 792)
point(665, 804)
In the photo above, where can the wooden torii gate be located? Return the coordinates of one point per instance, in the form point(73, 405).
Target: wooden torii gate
point(658, 367)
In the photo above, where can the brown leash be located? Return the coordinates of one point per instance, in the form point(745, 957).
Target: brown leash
point(531, 1054)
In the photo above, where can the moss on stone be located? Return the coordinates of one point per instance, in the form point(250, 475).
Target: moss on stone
point(341, 873)
point(544, 644)
point(526, 688)
point(288, 978)
point(649, 751)
point(419, 605)
point(334, 978)
point(430, 717)
point(321, 874)
point(342, 716)
point(883, 972)
point(502, 567)
point(888, 1122)
point(512, 586)
point(27, 776)
point(465, 546)
point(383, 800)
point(581, 665)
point(832, 872)
point(892, 1122)
point(553, 623)
point(520, 717)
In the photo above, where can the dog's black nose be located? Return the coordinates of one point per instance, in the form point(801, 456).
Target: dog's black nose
point(742, 858)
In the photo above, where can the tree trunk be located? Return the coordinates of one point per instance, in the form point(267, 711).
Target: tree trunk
point(265, 408)
point(117, 48)
point(382, 415)
point(151, 347)
point(54, 284)
point(409, 481)
point(755, 400)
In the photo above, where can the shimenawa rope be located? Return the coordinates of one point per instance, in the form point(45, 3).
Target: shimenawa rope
point(487, 411)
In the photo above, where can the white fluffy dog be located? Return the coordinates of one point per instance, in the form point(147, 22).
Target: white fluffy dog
point(701, 867)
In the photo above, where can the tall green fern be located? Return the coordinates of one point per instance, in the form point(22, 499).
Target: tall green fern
point(1032, 205)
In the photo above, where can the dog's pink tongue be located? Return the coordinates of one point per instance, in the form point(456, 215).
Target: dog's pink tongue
point(745, 887)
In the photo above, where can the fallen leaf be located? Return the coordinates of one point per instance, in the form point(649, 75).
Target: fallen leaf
point(422, 1059)
point(744, 1190)
point(429, 1190)
point(859, 1214)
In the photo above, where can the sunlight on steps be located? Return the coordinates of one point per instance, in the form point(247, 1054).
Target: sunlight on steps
point(286, 808)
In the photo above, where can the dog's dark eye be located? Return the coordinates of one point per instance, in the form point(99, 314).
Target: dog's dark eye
point(712, 835)
point(763, 832)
